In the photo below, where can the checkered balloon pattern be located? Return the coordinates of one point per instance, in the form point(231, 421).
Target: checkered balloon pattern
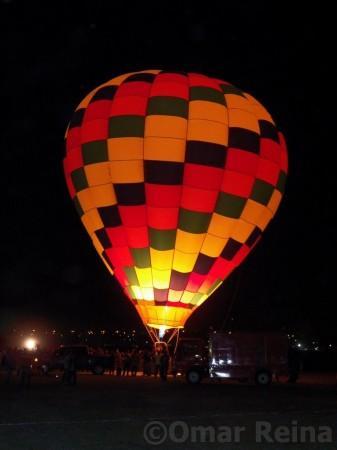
point(175, 176)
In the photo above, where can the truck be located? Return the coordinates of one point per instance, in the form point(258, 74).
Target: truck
point(242, 356)
point(85, 359)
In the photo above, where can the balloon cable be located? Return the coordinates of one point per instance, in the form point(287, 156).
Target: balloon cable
point(233, 298)
point(177, 341)
point(176, 330)
point(152, 334)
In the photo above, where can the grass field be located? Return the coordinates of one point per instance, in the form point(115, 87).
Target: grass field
point(108, 413)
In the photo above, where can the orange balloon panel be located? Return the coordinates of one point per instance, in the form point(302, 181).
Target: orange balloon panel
point(175, 176)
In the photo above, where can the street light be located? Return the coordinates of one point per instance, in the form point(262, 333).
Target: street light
point(30, 344)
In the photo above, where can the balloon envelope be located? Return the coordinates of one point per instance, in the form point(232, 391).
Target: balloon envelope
point(175, 176)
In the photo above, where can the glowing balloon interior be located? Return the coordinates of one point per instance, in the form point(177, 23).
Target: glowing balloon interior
point(175, 176)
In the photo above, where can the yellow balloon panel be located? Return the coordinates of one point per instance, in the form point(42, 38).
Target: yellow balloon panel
point(164, 149)
point(102, 195)
point(201, 110)
point(189, 242)
point(166, 126)
point(248, 120)
point(127, 171)
point(207, 131)
point(161, 260)
point(97, 174)
point(184, 262)
point(163, 316)
point(126, 148)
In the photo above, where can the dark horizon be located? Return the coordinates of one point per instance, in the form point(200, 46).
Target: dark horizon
point(54, 55)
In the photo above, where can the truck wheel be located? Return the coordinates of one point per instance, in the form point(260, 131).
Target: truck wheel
point(98, 370)
point(193, 376)
point(263, 378)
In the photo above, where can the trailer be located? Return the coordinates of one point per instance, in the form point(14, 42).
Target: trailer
point(243, 356)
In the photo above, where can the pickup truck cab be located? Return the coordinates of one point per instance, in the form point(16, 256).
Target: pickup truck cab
point(85, 359)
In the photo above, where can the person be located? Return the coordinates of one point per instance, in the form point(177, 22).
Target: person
point(156, 360)
point(25, 368)
point(111, 357)
point(126, 357)
point(8, 363)
point(118, 362)
point(69, 374)
point(134, 362)
point(146, 363)
point(294, 365)
point(164, 364)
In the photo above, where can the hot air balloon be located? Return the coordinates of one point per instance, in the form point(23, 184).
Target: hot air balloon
point(175, 176)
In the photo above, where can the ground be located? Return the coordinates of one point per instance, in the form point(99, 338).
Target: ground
point(108, 413)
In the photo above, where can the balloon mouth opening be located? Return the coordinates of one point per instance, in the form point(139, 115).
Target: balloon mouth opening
point(162, 328)
point(163, 334)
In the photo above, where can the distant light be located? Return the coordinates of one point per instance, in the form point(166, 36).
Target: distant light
point(316, 349)
point(36, 359)
point(229, 332)
point(221, 361)
point(30, 344)
point(229, 361)
point(178, 374)
point(299, 345)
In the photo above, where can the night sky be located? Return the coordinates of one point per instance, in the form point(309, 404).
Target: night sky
point(53, 55)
